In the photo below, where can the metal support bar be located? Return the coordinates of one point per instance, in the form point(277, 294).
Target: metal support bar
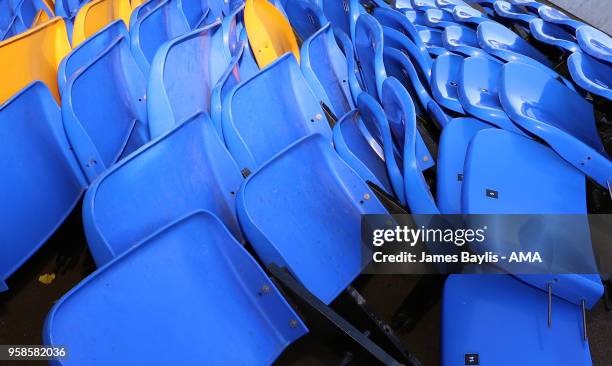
point(549, 305)
point(330, 326)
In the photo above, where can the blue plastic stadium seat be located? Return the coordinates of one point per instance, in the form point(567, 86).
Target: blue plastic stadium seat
point(506, 10)
point(432, 38)
point(553, 34)
point(325, 68)
point(198, 12)
point(528, 4)
point(478, 92)
point(200, 278)
point(492, 163)
point(132, 199)
point(420, 58)
point(361, 150)
point(556, 114)
point(162, 23)
point(26, 11)
point(104, 109)
point(403, 4)
point(395, 21)
point(368, 45)
point(415, 17)
point(142, 10)
point(445, 79)
point(343, 14)
point(438, 18)
point(491, 186)
point(450, 5)
point(553, 15)
point(591, 74)
point(242, 67)
point(306, 17)
point(463, 40)
point(468, 15)
point(507, 45)
point(454, 142)
point(183, 74)
point(41, 180)
point(423, 5)
point(488, 315)
point(400, 67)
point(595, 42)
point(270, 111)
point(354, 76)
point(87, 51)
point(312, 187)
point(400, 112)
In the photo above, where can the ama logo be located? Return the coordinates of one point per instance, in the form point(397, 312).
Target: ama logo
point(521, 257)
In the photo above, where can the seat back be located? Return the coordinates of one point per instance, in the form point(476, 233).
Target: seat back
point(268, 112)
point(162, 23)
point(241, 68)
point(33, 55)
point(41, 182)
point(369, 53)
point(400, 112)
point(269, 32)
point(558, 115)
point(132, 199)
point(142, 10)
point(305, 17)
point(197, 11)
point(182, 76)
point(312, 187)
point(505, 44)
point(87, 51)
point(95, 15)
point(104, 109)
point(211, 276)
point(325, 68)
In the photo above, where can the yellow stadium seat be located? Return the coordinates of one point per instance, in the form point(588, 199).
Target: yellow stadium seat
point(96, 15)
point(40, 18)
point(136, 3)
point(269, 32)
point(33, 55)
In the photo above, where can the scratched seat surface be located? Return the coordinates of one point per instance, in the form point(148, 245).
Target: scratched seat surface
point(212, 276)
point(183, 74)
point(199, 173)
point(287, 110)
point(101, 133)
point(325, 68)
point(31, 131)
point(312, 186)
